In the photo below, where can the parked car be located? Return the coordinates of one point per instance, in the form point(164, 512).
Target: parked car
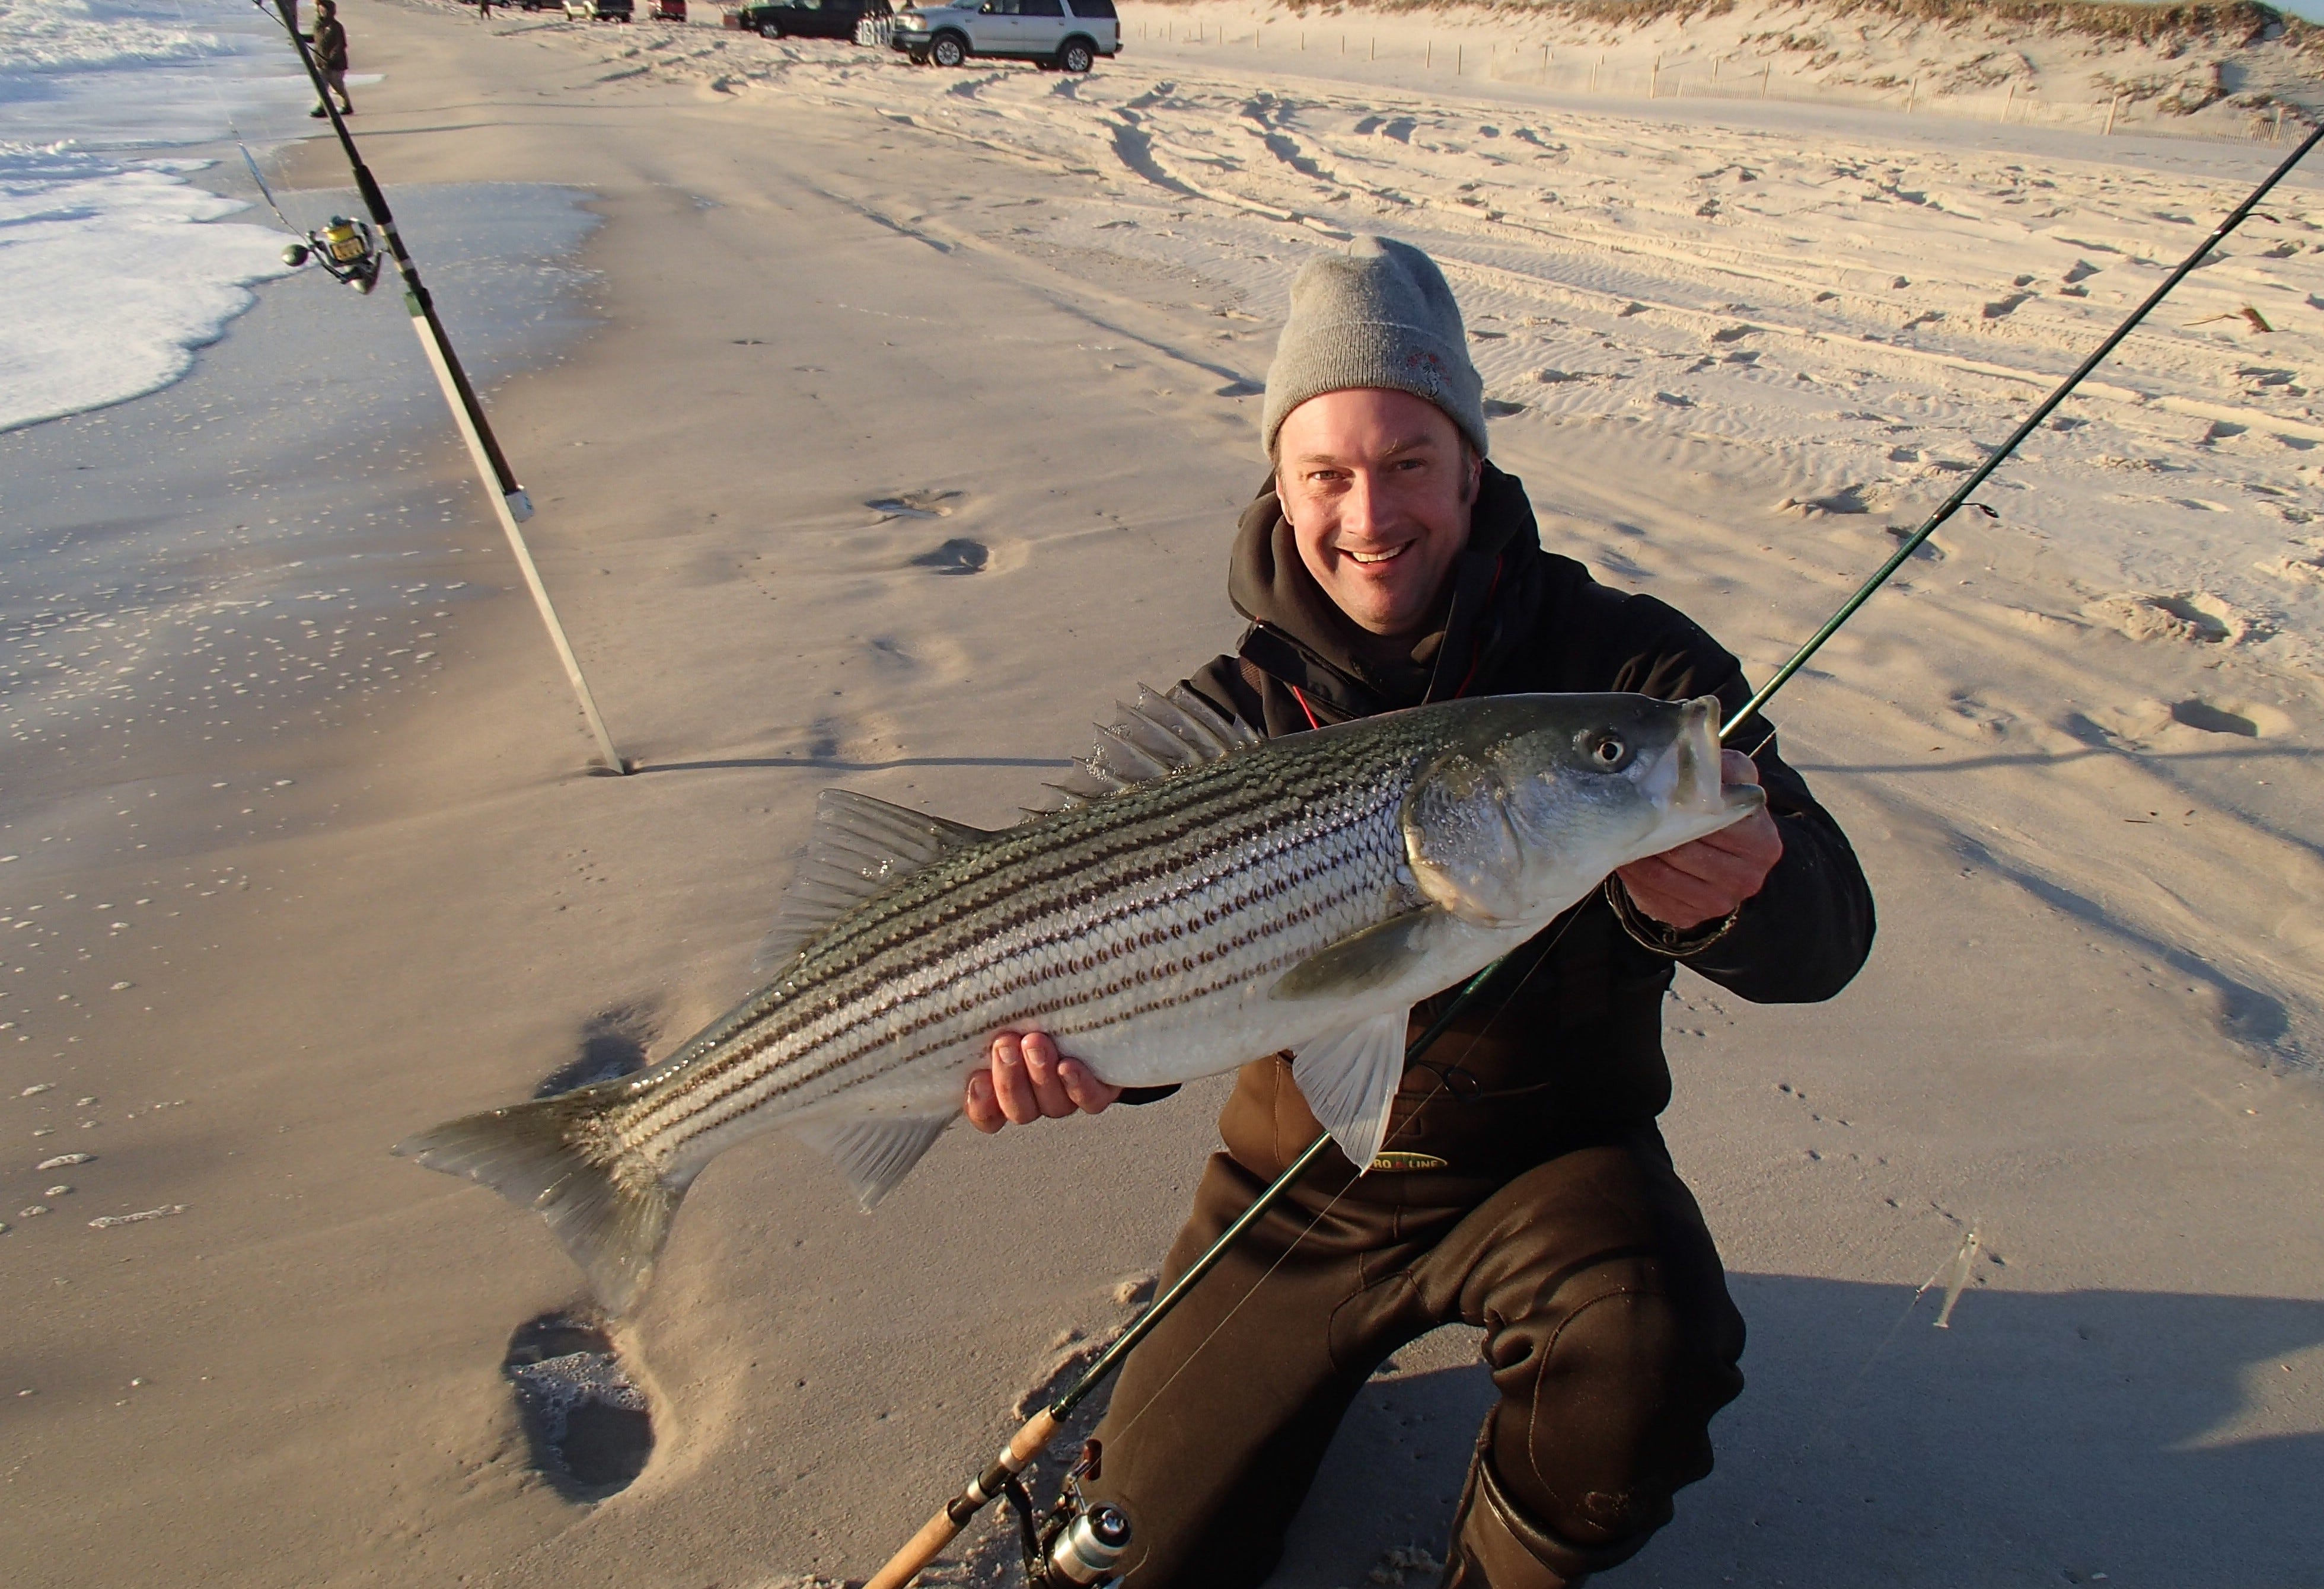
point(1070, 35)
point(597, 10)
point(806, 19)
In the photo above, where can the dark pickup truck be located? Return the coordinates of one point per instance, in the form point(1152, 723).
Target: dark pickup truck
point(805, 19)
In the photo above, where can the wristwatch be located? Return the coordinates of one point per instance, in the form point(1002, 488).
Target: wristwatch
point(1678, 942)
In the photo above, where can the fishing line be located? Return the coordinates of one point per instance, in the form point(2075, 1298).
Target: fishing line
point(1838, 1404)
point(2065, 388)
point(254, 176)
point(1444, 1085)
point(226, 113)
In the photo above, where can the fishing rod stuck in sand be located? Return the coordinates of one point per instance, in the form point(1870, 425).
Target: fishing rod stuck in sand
point(349, 251)
point(1072, 1518)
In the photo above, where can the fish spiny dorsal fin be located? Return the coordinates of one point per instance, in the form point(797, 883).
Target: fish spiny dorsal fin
point(1161, 734)
point(859, 846)
point(1195, 722)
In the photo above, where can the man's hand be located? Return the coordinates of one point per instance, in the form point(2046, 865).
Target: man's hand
point(1710, 877)
point(1027, 1080)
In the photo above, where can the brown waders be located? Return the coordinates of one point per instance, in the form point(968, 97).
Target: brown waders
point(1607, 1327)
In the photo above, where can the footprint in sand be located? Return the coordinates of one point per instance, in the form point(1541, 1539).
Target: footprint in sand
point(1848, 499)
point(920, 504)
point(2248, 719)
point(589, 1427)
point(958, 555)
point(2139, 725)
point(2199, 714)
point(2199, 618)
point(613, 1042)
point(2309, 569)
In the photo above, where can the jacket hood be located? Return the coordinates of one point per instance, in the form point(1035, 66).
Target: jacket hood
point(1301, 636)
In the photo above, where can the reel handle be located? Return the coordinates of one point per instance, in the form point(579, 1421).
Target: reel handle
point(943, 1529)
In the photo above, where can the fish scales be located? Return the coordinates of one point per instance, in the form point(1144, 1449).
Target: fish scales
point(1300, 894)
point(1020, 932)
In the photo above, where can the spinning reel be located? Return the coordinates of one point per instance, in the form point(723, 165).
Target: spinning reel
point(346, 249)
point(1074, 1545)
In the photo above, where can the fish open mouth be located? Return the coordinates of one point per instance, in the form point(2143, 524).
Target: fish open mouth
point(1685, 777)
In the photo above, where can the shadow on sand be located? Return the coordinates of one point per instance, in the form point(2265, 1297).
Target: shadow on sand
point(2152, 1437)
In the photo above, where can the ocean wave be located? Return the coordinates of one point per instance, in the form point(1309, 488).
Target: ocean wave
point(115, 263)
point(116, 273)
point(46, 36)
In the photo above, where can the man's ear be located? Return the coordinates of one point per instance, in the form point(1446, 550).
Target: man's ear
point(1475, 483)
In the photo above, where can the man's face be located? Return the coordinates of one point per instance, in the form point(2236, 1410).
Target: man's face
point(1378, 487)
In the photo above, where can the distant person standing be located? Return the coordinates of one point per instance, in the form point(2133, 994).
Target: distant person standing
point(330, 48)
point(484, 10)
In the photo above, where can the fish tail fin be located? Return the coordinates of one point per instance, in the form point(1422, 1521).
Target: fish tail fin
point(606, 1204)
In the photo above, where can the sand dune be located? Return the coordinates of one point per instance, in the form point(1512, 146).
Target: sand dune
point(908, 432)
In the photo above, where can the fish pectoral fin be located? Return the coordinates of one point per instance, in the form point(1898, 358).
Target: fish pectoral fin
point(858, 847)
point(1350, 1078)
point(876, 1152)
point(1364, 960)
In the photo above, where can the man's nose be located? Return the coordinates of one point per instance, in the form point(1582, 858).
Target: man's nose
point(1364, 508)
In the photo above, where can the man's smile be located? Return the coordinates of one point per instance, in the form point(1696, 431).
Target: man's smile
point(1370, 559)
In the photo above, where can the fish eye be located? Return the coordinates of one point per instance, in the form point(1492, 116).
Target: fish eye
point(1606, 752)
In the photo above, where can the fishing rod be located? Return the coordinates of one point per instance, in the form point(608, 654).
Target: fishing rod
point(1038, 1431)
point(1960, 495)
point(1071, 1522)
point(348, 250)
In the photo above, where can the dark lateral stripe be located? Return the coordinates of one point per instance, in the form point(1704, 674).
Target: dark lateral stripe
point(1230, 813)
point(1029, 902)
point(939, 926)
point(1089, 901)
point(697, 1099)
point(698, 1119)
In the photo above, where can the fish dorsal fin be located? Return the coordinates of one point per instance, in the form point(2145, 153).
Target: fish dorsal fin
point(1157, 735)
point(1350, 1078)
point(876, 1153)
point(859, 846)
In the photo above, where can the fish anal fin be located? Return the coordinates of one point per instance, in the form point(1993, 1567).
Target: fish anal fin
point(876, 1152)
point(1371, 958)
point(859, 846)
point(1349, 1080)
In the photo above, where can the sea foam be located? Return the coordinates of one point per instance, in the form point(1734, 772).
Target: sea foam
point(115, 265)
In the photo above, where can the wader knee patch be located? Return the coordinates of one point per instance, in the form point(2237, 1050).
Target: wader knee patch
point(1503, 1545)
point(1618, 1419)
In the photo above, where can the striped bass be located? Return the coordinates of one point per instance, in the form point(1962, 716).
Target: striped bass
point(1203, 899)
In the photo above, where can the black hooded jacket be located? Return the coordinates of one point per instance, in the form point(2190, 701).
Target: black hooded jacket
point(1565, 1044)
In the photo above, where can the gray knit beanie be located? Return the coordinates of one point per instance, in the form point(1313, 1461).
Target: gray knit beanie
point(1379, 314)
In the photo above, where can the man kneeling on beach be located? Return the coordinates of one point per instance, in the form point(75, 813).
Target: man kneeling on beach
point(1526, 1190)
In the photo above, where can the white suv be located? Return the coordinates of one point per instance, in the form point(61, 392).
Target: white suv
point(1069, 34)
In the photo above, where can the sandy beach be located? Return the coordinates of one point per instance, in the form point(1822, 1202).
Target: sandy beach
point(886, 425)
